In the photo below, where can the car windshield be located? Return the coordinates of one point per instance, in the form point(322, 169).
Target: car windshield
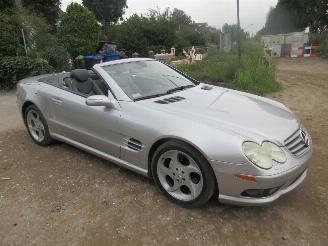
point(147, 79)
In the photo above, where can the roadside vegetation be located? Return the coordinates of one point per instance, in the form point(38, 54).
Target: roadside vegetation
point(256, 73)
point(322, 40)
point(218, 68)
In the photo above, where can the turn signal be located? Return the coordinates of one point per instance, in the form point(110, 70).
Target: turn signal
point(246, 177)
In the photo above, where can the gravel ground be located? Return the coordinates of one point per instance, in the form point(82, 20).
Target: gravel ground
point(60, 195)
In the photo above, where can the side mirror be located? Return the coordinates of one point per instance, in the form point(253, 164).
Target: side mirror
point(98, 100)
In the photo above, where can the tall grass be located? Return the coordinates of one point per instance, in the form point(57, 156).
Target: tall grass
point(214, 69)
point(324, 48)
point(257, 74)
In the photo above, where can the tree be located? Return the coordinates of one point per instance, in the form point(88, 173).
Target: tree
point(78, 30)
point(106, 11)
point(282, 20)
point(41, 43)
point(180, 18)
point(131, 35)
point(49, 9)
point(317, 15)
point(10, 35)
point(296, 15)
point(6, 4)
point(189, 36)
point(160, 30)
point(233, 29)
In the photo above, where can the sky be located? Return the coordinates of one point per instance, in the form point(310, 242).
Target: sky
point(214, 12)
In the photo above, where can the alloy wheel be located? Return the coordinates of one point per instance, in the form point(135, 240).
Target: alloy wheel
point(35, 125)
point(180, 175)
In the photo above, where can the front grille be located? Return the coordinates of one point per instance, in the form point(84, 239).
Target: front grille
point(298, 143)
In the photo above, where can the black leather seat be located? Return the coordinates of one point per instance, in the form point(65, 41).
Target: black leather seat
point(102, 86)
point(81, 82)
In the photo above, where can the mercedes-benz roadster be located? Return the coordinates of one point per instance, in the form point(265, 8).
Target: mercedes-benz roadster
point(195, 140)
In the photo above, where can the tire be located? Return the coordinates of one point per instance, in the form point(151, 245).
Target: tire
point(37, 126)
point(183, 174)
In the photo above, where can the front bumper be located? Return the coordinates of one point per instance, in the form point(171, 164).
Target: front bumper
point(231, 187)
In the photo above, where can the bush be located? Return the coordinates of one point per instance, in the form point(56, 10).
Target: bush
point(10, 35)
point(14, 68)
point(42, 44)
point(324, 49)
point(201, 51)
point(256, 74)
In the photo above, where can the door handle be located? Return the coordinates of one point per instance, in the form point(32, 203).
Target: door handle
point(57, 100)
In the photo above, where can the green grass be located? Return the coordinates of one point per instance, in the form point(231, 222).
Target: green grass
point(212, 70)
point(324, 48)
point(255, 74)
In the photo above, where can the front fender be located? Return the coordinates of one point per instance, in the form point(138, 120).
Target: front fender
point(214, 144)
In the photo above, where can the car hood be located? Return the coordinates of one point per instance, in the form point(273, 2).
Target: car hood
point(252, 117)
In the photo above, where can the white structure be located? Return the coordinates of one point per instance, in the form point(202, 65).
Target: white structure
point(225, 42)
point(277, 44)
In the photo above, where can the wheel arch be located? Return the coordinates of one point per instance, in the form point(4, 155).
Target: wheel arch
point(161, 141)
point(26, 104)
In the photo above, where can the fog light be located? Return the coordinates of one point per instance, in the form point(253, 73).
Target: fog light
point(260, 192)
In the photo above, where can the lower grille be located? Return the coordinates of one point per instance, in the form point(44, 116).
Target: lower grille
point(298, 143)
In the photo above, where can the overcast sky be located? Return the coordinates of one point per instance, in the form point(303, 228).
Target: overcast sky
point(214, 12)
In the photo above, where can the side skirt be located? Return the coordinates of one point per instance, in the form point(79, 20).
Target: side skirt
point(101, 154)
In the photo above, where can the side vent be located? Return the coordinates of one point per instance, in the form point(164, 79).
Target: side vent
point(134, 144)
point(170, 100)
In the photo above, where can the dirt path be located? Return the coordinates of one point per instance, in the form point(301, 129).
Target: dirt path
point(62, 196)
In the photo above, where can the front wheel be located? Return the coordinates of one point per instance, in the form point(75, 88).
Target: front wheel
point(37, 126)
point(183, 174)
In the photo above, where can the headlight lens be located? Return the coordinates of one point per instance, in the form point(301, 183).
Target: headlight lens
point(276, 152)
point(263, 155)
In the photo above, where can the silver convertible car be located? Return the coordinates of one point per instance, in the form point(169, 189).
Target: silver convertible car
point(195, 140)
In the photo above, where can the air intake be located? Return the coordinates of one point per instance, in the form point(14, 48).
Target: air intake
point(134, 144)
point(170, 100)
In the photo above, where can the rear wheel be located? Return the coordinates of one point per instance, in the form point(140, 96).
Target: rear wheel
point(183, 174)
point(37, 126)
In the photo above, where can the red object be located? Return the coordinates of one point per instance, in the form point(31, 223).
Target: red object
point(300, 54)
point(315, 50)
point(288, 52)
point(246, 177)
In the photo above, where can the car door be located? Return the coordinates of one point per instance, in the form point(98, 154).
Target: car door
point(95, 126)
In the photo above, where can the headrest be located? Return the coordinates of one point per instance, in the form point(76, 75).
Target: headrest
point(81, 75)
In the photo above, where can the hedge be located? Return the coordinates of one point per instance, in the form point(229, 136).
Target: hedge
point(14, 68)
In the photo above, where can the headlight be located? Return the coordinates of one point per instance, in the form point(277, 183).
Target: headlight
point(263, 155)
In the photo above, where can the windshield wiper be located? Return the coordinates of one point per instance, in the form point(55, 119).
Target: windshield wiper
point(180, 88)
